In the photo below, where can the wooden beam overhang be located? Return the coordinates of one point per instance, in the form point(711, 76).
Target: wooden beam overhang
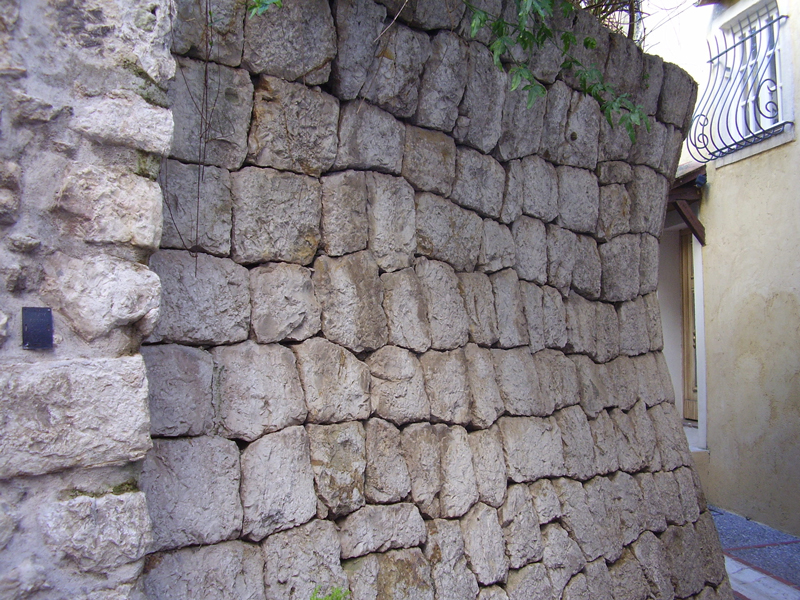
point(686, 189)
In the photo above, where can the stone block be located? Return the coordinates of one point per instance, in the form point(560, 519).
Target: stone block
point(489, 465)
point(647, 382)
point(578, 199)
point(521, 126)
point(650, 145)
point(672, 153)
point(257, 389)
point(613, 172)
point(276, 216)
point(272, 42)
point(678, 95)
point(394, 574)
point(386, 476)
point(422, 453)
point(607, 332)
point(459, 489)
point(558, 378)
point(493, 592)
point(179, 382)
point(559, 96)
point(532, 183)
point(667, 391)
point(532, 448)
point(351, 294)
point(561, 247)
point(624, 65)
point(447, 314)
point(443, 82)
point(486, 403)
point(427, 14)
point(628, 579)
point(581, 325)
point(615, 142)
point(520, 525)
point(283, 305)
point(210, 31)
point(192, 488)
point(429, 160)
point(562, 557)
point(381, 528)
point(648, 192)
point(634, 338)
point(444, 550)
point(338, 458)
point(586, 273)
point(627, 502)
point(620, 263)
point(519, 383)
point(606, 444)
point(476, 290)
point(344, 227)
point(581, 134)
point(710, 549)
point(497, 248)
point(688, 497)
point(484, 544)
point(621, 379)
point(277, 487)
point(585, 525)
point(646, 435)
point(653, 77)
point(592, 389)
point(181, 203)
point(447, 386)
point(293, 128)
point(533, 309)
point(393, 77)
point(358, 25)
point(669, 495)
point(392, 224)
point(479, 182)
point(649, 552)
point(369, 138)
point(579, 455)
point(480, 121)
point(529, 583)
point(530, 241)
point(222, 120)
point(76, 413)
point(672, 444)
point(511, 325)
point(398, 387)
point(301, 559)
point(448, 232)
point(576, 589)
point(648, 265)
point(684, 560)
point(545, 501)
point(555, 318)
point(628, 453)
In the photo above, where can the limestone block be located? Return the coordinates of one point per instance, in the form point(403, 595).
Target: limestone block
point(493, 593)
point(576, 435)
point(648, 265)
point(277, 488)
point(519, 383)
point(381, 528)
point(688, 498)
point(179, 382)
point(105, 206)
point(429, 160)
point(581, 325)
point(598, 580)
point(479, 182)
point(447, 313)
point(650, 145)
point(394, 574)
point(648, 192)
point(672, 153)
point(459, 489)
point(335, 382)
point(299, 560)
point(558, 100)
point(391, 217)
point(98, 295)
point(520, 525)
point(628, 579)
point(606, 443)
point(489, 465)
point(350, 293)
point(276, 216)
point(667, 487)
point(273, 39)
point(444, 549)
point(529, 583)
point(561, 247)
point(710, 549)
point(532, 448)
point(443, 83)
point(213, 572)
point(649, 552)
point(294, 128)
point(486, 402)
point(600, 495)
point(73, 413)
point(257, 389)
point(497, 248)
point(615, 142)
point(192, 488)
point(646, 435)
point(580, 520)
point(624, 65)
point(654, 331)
point(447, 386)
point(511, 325)
point(338, 458)
point(447, 232)
point(578, 199)
point(648, 388)
point(481, 110)
point(421, 451)
point(629, 455)
point(9, 206)
point(427, 14)
point(533, 309)
point(607, 333)
point(628, 501)
point(667, 391)
point(97, 534)
point(398, 386)
point(586, 274)
point(532, 183)
point(180, 205)
point(344, 227)
point(221, 42)
point(581, 134)
point(562, 557)
point(393, 77)
point(521, 126)
point(530, 241)
point(672, 444)
point(545, 501)
point(358, 25)
point(576, 589)
point(592, 390)
point(620, 261)
point(588, 25)
point(684, 560)
point(369, 138)
point(678, 95)
point(386, 476)
point(634, 338)
point(555, 318)
point(613, 172)
point(653, 74)
point(484, 544)
point(283, 303)
point(476, 291)
point(222, 120)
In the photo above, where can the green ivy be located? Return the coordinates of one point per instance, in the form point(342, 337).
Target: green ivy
point(259, 7)
point(336, 593)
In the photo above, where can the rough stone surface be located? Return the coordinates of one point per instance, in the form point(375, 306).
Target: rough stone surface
point(620, 267)
point(222, 43)
point(561, 246)
point(678, 94)
point(545, 501)
point(555, 318)
point(338, 458)
point(447, 232)
point(489, 465)
point(586, 274)
point(486, 402)
point(522, 126)
point(578, 199)
point(684, 561)
point(648, 265)
point(394, 574)
point(532, 448)
point(444, 549)
point(476, 290)
point(562, 556)
point(649, 551)
point(398, 386)
point(484, 544)
point(581, 325)
point(369, 138)
point(386, 476)
point(531, 184)
point(511, 326)
point(459, 486)
point(530, 583)
point(628, 579)
point(530, 241)
point(447, 313)
point(344, 226)
point(481, 110)
point(358, 25)
point(497, 248)
point(533, 308)
point(648, 192)
point(447, 386)
point(283, 305)
point(634, 339)
point(519, 383)
point(381, 528)
point(392, 224)
point(429, 160)
point(607, 332)
point(479, 182)
point(421, 450)
point(520, 525)
point(578, 442)
point(443, 83)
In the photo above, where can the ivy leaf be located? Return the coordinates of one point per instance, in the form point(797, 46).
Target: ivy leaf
point(261, 6)
point(589, 43)
point(516, 79)
point(568, 39)
point(535, 91)
point(479, 19)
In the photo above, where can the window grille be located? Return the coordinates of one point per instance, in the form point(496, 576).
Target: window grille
point(743, 100)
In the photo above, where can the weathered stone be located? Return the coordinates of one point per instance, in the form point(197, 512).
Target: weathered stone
point(447, 386)
point(646, 435)
point(192, 488)
point(221, 120)
point(650, 145)
point(710, 549)
point(559, 96)
point(561, 246)
point(427, 14)
point(648, 265)
point(422, 453)
point(653, 75)
point(301, 559)
point(179, 382)
point(606, 332)
point(545, 500)
point(443, 83)
point(578, 442)
point(394, 574)
point(9, 206)
point(684, 560)
point(493, 593)
point(484, 544)
point(620, 261)
point(649, 551)
point(257, 389)
point(520, 525)
point(519, 383)
point(606, 444)
point(628, 579)
point(459, 489)
point(688, 498)
point(611, 172)
point(592, 389)
point(481, 110)
point(581, 324)
point(338, 458)
point(586, 274)
point(511, 325)
point(444, 549)
point(447, 232)
point(678, 94)
point(369, 138)
point(497, 248)
point(398, 387)
point(634, 338)
point(381, 528)
point(530, 240)
point(581, 134)
point(532, 183)
point(358, 25)
point(627, 449)
point(272, 42)
point(614, 214)
point(283, 305)
point(587, 25)
point(476, 290)
point(648, 192)
point(392, 224)
point(532, 448)
point(344, 226)
point(533, 309)
point(615, 142)
point(211, 572)
point(647, 383)
point(350, 293)
point(479, 182)
point(429, 160)
point(529, 583)
point(621, 379)
point(555, 318)
point(277, 486)
point(667, 391)
point(486, 402)
point(672, 153)
point(628, 500)
point(393, 77)
point(600, 495)
point(672, 444)
point(96, 414)
point(624, 65)
point(293, 127)
point(670, 501)
point(562, 557)
point(276, 216)
point(489, 465)
point(579, 520)
point(576, 589)
point(578, 199)
point(211, 31)
point(521, 126)
point(447, 314)
point(386, 476)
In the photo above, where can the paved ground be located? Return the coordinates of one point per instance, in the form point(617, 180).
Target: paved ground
point(762, 563)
